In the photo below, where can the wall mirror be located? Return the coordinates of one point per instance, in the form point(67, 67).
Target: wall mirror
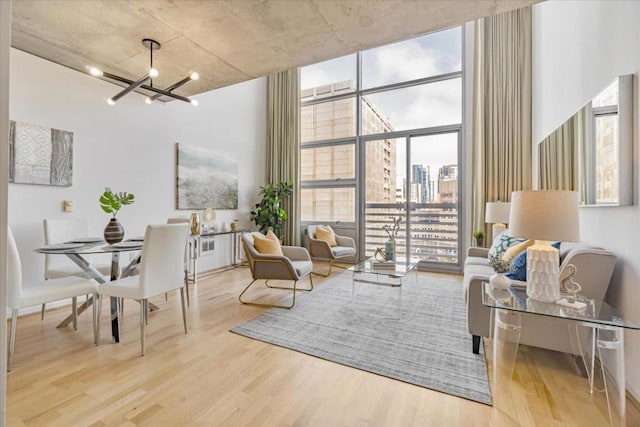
point(592, 152)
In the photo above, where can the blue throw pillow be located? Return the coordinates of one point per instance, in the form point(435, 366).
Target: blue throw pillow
point(519, 265)
point(502, 242)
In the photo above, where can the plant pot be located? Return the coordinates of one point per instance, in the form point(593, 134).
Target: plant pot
point(113, 232)
point(480, 242)
point(500, 281)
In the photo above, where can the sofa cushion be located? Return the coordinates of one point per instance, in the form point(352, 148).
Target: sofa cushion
point(519, 265)
point(474, 260)
point(502, 242)
point(515, 250)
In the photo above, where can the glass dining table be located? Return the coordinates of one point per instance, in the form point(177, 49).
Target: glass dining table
point(78, 250)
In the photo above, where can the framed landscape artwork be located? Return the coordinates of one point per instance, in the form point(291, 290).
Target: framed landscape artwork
point(40, 155)
point(205, 179)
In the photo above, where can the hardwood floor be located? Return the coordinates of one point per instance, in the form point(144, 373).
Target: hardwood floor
point(213, 377)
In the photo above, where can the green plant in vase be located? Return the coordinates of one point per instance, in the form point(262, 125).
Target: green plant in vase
point(479, 236)
point(269, 213)
point(111, 203)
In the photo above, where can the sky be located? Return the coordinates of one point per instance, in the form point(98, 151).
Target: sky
point(409, 108)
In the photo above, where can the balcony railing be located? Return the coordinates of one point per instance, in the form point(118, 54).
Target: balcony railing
point(433, 230)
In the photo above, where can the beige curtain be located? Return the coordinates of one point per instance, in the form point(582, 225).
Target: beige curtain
point(559, 155)
point(502, 110)
point(283, 143)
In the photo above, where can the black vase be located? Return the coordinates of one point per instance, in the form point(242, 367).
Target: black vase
point(113, 232)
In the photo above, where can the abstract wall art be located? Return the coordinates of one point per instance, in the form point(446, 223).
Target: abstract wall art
point(205, 180)
point(40, 155)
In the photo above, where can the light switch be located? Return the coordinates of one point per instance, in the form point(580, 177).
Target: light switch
point(67, 205)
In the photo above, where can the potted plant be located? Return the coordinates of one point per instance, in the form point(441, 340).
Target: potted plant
point(479, 236)
point(269, 213)
point(500, 266)
point(111, 203)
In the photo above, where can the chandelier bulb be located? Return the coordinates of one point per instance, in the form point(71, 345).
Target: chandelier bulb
point(111, 101)
point(153, 73)
point(194, 76)
point(148, 100)
point(95, 72)
point(194, 102)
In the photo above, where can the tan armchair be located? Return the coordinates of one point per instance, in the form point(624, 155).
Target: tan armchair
point(294, 264)
point(322, 251)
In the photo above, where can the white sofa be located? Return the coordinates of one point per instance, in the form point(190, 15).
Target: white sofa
point(594, 269)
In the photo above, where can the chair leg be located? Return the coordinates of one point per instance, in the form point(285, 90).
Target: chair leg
point(42, 311)
point(74, 308)
point(143, 310)
point(95, 318)
point(323, 274)
point(119, 314)
point(266, 283)
point(12, 338)
point(184, 311)
point(146, 314)
point(293, 302)
point(186, 285)
point(99, 302)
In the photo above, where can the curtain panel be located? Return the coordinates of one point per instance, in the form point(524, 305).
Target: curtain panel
point(283, 144)
point(501, 111)
point(563, 156)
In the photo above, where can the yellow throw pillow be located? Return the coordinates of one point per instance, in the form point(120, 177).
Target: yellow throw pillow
point(325, 232)
point(269, 245)
point(515, 250)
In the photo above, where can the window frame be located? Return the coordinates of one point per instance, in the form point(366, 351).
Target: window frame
point(359, 139)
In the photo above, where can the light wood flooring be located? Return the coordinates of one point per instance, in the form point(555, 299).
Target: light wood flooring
point(213, 377)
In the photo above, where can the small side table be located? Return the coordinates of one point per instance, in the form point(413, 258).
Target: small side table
point(604, 321)
point(201, 244)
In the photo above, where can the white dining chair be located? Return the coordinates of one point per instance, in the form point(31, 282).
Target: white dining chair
point(161, 270)
point(187, 258)
point(56, 266)
point(21, 295)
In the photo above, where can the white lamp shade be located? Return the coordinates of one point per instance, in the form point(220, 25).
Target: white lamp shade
point(545, 215)
point(497, 212)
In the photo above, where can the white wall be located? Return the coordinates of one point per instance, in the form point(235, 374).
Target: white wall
point(578, 48)
point(129, 147)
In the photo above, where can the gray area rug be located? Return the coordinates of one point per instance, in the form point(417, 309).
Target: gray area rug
point(422, 341)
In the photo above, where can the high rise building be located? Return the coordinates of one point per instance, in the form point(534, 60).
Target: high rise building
point(448, 184)
point(421, 174)
point(333, 120)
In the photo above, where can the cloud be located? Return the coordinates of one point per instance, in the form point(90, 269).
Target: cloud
point(433, 104)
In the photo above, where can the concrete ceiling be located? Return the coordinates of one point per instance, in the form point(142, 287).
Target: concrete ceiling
point(225, 41)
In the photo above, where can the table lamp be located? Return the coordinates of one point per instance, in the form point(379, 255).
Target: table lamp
point(497, 213)
point(544, 216)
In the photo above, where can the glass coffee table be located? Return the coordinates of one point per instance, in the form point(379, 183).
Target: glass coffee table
point(365, 272)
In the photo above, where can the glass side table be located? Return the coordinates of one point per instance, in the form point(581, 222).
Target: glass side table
point(603, 321)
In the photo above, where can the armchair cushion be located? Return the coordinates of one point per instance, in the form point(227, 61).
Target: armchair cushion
point(342, 251)
point(302, 267)
point(327, 234)
point(269, 245)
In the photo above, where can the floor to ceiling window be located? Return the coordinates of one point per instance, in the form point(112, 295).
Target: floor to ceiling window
point(381, 138)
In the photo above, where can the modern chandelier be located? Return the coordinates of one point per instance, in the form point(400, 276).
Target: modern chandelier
point(142, 81)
